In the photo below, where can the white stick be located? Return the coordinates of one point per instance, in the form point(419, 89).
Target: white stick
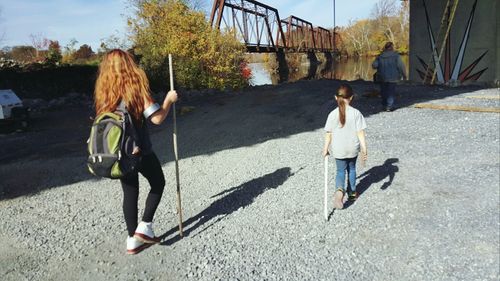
point(326, 189)
point(179, 206)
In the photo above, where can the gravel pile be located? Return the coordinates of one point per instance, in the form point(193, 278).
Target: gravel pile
point(252, 187)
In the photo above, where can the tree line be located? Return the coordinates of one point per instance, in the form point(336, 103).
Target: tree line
point(48, 51)
point(203, 57)
point(389, 21)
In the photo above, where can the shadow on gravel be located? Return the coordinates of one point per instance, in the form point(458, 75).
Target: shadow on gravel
point(236, 197)
point(218, 122)
point(377, 174)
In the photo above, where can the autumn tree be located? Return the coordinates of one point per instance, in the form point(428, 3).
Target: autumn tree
point(393, 21)
point(383, 12)
point(84, 52)
point(203, 57)
point(404, 27)
point(358, 38)
point(23, 53)
point(389, 22)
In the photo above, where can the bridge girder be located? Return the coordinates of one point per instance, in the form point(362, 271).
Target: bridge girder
point(259, 26)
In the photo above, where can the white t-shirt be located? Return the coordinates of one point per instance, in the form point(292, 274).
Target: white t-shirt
point(345, 142)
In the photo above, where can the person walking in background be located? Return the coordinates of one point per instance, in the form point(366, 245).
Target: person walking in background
point(390, 69)
point(345, 132)
point(122, 83)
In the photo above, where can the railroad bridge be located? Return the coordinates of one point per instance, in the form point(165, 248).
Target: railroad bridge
point(262, 29)
point(458, 41)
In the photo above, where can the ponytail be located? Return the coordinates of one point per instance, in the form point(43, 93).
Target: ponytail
point(342, 105)
point(344, 93)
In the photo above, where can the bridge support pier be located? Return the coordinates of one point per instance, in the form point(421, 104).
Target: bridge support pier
point(328, 56)
point(283, 65)
point(313, 59)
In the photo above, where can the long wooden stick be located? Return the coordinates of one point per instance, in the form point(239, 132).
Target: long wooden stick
point(179, 206)
point(325, 210)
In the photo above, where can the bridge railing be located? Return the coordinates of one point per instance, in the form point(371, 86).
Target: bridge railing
point(259, 26)
point(256, 24)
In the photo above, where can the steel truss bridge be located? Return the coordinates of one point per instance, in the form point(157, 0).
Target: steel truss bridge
point(262, 30)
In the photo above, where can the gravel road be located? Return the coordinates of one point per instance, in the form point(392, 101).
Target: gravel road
point(252, 187)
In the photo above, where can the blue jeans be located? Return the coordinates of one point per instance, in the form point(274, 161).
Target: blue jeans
point(388, 93)
point(343, 165)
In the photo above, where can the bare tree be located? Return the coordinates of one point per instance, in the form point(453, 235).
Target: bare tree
point(39, 42)
point(385, 8)
point(355, 37)
point(365, 30)
point(404, 21)
point(383, 12)
point(198, 5)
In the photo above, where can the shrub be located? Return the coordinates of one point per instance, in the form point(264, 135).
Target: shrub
point(48, 81)
point(203, 57)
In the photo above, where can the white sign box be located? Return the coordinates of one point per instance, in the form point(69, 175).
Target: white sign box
point(8, 100)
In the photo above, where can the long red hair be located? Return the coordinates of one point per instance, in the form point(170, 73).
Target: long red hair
point(344, 93)
point(120, 79)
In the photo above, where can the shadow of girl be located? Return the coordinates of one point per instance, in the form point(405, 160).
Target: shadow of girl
point(238, 197)
point(377, 174)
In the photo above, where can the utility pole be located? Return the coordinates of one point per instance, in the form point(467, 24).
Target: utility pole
point(334, 31)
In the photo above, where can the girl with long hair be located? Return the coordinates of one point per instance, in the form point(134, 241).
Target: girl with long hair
point(122, 83)
point(345, 135)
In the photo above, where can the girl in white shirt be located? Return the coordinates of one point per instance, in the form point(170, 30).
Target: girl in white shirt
point(345, 136)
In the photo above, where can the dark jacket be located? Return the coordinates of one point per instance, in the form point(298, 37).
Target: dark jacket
point(390, 67)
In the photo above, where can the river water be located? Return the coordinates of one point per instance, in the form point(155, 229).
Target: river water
point(344, 69)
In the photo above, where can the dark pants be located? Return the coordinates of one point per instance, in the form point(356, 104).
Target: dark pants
point(388, 93)
point(150, 168)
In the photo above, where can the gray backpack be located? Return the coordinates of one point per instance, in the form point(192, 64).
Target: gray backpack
point(112, 140)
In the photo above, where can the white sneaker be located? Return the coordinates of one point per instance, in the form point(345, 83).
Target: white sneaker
point(134, 245)
point(145, 234)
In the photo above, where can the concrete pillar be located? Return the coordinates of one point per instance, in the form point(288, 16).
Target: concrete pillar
point(328, 56)
point(497, 78)
point(311, 56)
point(283, 66)
point(483, 39)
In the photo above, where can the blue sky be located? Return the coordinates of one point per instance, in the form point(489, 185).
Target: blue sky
point(89, 21)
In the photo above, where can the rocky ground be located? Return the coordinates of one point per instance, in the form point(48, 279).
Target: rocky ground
point(252, 186)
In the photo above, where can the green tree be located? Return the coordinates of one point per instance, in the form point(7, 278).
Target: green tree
point(54, 53)
point(203, 57)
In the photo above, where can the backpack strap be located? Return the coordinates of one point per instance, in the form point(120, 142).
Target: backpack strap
point(122, 106)
point(129, 123)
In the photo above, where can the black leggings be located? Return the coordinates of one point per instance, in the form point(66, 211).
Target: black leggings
point(150, 168)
